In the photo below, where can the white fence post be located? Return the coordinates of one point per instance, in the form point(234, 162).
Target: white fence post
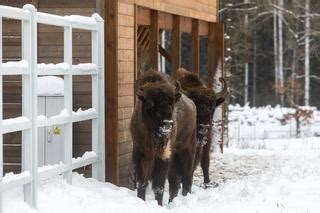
point(1, 118)
point(30, 83)
point(98, 170)
point(68, 104)
point(29, 124)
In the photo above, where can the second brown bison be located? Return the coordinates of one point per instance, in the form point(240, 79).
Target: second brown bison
point(163, 129)
point(206, 101)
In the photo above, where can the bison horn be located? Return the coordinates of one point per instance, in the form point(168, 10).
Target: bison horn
point(224, 90)
point(178, 89)
point(178, 86)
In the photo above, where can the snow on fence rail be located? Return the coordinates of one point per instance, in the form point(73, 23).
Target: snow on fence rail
point(29, 122)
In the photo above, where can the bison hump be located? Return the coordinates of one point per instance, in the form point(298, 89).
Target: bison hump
point(188, 80)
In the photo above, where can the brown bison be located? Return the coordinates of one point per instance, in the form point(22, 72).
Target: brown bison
point(163, 129)
point(206, 101)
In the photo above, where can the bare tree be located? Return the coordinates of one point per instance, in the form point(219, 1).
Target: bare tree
point(275, 47)
point(246, 65)
point(280, 28)
point(307, 55)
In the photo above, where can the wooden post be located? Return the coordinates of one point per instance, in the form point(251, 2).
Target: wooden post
point(111, 90)
point(195, 47)
point(176, 44)
point(154, 40)
point(215, 50)
point(1, 117)
point(211, 54)
point(216, 56)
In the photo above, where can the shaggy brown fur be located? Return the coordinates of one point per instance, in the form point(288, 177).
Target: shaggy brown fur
point(163, 129)
point(206, 100)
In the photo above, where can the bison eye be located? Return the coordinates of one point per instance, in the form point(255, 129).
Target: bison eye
point(149, 103)
point(213, 108)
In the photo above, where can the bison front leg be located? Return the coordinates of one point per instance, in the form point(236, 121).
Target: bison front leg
point(142, 181)
point(174, 182)
point(158, 178)
point(205, 162)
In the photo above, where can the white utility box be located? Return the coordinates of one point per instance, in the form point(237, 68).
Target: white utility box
point(50, 103)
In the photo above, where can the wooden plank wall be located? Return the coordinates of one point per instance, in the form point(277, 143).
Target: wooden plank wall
point(201, 9)
point(126, 64)
point(50, 51)
point(126, 32)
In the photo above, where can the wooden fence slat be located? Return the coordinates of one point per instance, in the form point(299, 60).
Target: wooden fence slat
point(195, 48)
point(176, 44)
point(154, 40)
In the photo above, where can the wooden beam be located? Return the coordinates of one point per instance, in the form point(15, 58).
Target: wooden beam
point(186, 24)
point(111, 91)
point(215, 49)
point(143, 41)
point(165, 54)
point(100, 7)
point(195, 47)
point(211, 54)
point(154, 40)
point(176, 44)
point(137, 35)
point(143, 16)
point(165, 21)
point(203, 28)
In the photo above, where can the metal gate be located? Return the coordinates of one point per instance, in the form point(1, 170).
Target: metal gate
point(29, 122)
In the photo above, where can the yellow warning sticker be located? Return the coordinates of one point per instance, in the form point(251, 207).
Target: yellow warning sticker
point(56, 130)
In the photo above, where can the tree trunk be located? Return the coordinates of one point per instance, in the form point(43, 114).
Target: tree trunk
point(246, 65)
point(293, 75)
point(307, 56)
point(276, 50)
point(254, 81)
point(280, 28)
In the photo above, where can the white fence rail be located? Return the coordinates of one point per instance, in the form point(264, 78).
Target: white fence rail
point(30, 122)
point(240, 132)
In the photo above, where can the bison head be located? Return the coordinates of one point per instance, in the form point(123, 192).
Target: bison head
point(206, 101)
point(158, 102)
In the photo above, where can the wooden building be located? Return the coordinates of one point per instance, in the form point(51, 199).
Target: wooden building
point(129, 25)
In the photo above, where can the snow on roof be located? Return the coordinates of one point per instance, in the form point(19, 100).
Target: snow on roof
point(50, 86)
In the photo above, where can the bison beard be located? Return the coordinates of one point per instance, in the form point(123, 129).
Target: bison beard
point(206, 101)
point(163, 129)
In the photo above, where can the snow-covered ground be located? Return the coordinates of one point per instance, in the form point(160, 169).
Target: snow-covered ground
point(254, 176)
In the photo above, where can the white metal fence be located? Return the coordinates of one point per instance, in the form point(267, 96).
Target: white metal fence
point(241, 132)
point(29, 122)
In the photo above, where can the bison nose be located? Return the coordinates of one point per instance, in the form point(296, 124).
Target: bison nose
point(166, 127)
point(167, 122)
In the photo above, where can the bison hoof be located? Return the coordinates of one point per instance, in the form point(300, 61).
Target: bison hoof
point(210, 185)
point(185, 192)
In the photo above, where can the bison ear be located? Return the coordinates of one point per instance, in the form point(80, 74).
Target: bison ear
point(178, 91)
point(140, 95)
point(219, 101)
